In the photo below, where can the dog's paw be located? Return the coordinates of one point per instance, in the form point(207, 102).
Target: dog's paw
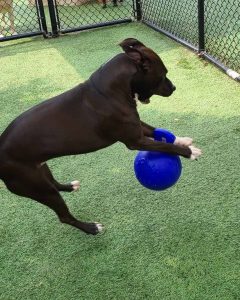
point(75, 185)
point(183, 141)
point(100, 227)
point(94, 228)
point(195, 152)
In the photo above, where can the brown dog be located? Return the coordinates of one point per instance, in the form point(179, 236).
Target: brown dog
point(89, 117)
point(6, 7)
point(114, 2)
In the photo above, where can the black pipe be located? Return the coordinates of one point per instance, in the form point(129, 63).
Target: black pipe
point(81, 28)
point(20, 36)
point(41, 16)
point(53, 17)
point(138, 10)
point(201, 26)
point(223, 68)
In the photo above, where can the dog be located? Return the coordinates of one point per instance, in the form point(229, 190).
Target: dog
point(114, 3)
point(6, 7)
point(91, 116)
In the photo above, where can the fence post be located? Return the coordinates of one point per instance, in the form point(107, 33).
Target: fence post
point(41, 16)
point(138, 10)
point(201, 27)
point(53, 17)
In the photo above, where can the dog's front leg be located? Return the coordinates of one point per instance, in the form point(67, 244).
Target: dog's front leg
point(148, 131)
point(148, 144)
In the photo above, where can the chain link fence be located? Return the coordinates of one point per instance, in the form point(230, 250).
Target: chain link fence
point(211, 27)
point(176, 17)
point(80, 14)
point(20, 18)
point(222, 31)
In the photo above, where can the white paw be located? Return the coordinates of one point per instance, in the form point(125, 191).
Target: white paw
point(195, 152)
point(75, 185)
point(100, 227)
point(183, 141)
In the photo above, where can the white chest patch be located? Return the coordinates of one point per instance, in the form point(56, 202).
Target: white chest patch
point(136, 97)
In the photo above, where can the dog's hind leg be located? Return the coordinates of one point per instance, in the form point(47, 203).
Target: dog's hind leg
point(29, 181)
point(72, 186)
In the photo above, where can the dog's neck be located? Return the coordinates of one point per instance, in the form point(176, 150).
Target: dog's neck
point(113, 80)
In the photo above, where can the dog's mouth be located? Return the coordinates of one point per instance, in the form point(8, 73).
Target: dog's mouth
point(143, 101)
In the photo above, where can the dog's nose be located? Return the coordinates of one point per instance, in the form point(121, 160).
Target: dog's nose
point(173, 88)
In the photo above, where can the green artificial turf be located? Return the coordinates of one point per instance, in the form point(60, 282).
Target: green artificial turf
point(182, 243)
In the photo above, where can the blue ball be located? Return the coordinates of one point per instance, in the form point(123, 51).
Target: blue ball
point(156, 170)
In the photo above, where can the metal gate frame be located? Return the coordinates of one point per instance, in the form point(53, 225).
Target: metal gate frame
point(56, 21)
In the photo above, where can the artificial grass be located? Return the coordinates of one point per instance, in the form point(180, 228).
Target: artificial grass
point(182, 243)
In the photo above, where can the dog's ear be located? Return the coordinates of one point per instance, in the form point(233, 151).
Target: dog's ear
point(134, 49)
point(132, 43)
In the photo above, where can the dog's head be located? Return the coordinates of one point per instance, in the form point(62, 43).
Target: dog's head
point(151, 76)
